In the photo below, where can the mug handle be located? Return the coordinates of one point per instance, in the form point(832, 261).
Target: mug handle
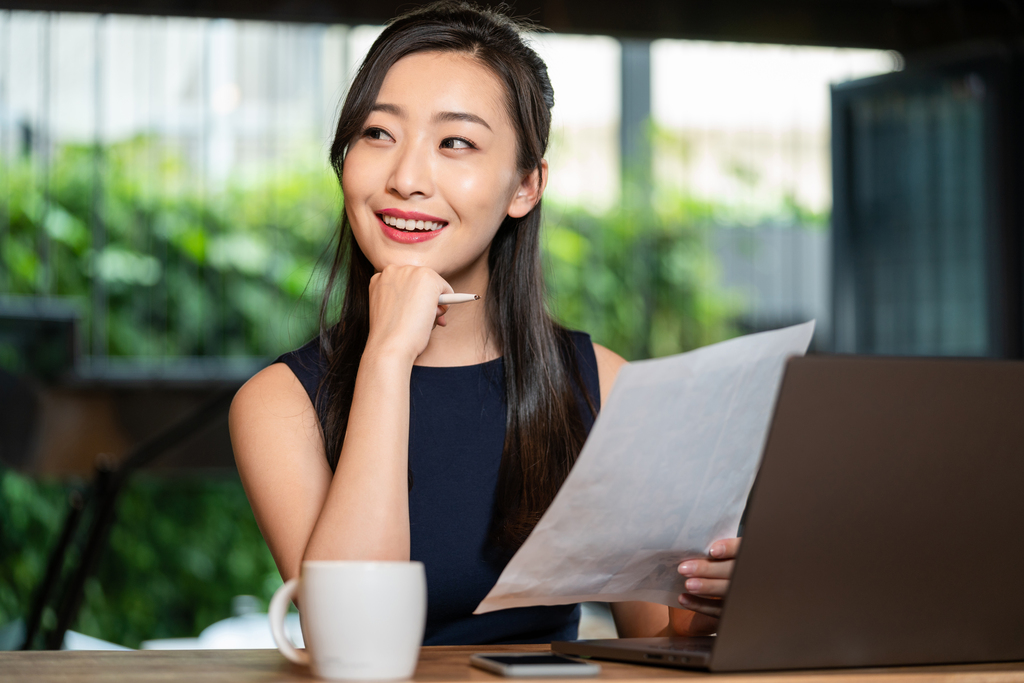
point(276, 613)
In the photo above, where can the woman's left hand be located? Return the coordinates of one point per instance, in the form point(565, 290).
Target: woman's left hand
point(707, 580)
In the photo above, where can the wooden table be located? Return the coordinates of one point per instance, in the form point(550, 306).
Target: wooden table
point(437, 665)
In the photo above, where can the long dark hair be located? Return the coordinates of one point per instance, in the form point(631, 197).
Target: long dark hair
point(544, 425)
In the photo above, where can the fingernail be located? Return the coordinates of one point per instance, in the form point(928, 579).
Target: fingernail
point(687, 567)
point(694, 585)
point(684, 599)
point(715, 551)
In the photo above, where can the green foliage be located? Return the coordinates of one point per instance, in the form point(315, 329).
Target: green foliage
point(184, 270)
point(179, 551)
point(31, 513)
point(643, 283)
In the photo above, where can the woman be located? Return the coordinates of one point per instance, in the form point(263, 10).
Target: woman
point(409, 430)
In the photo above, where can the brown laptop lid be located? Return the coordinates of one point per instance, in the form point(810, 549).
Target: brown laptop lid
point(886, 526)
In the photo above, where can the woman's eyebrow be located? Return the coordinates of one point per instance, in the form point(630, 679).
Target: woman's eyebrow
point(445, 116)
point(439, 117)
point(386, 108)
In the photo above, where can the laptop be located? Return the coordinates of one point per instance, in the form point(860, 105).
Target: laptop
point(885, 528)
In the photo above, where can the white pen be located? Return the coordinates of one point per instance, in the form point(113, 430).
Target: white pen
point(446, 299)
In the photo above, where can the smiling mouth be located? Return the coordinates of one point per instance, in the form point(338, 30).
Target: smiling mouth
point(410, 225)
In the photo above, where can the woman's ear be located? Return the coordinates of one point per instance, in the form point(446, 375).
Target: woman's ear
point(529, 192)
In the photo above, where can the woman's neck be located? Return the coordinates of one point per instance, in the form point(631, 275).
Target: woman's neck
point(464, 340)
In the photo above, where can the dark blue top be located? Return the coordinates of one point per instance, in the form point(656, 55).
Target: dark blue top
point(456, 436)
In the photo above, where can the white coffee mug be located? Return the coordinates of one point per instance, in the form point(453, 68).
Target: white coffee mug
point(360, 620)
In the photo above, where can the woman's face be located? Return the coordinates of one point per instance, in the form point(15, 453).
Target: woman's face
point(433, 174)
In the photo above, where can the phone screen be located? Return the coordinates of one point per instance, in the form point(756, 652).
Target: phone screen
point(533, 665)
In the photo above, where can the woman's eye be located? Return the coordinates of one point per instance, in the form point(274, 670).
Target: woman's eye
point(456, 143)
point(376, 134)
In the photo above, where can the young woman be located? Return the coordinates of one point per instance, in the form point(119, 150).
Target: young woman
point(409, 430)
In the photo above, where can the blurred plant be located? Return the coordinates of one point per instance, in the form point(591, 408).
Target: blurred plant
point(31, 513)
point(178, 554)
point(641, 282)
point(180, 550)
point(162, 265)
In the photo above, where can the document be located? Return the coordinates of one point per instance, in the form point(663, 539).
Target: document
point(665, 472)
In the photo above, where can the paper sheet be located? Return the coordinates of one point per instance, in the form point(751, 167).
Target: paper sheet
point(665, 472)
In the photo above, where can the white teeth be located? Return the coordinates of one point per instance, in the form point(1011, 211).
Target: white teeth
point(410, 225)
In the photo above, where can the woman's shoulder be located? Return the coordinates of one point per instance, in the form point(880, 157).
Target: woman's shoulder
point(608, 365)
point(272, 388)
point(287, 384)
point(585, 344)
point(307, 363)
point(598, 365)
point(607, 357)
point(273, 402)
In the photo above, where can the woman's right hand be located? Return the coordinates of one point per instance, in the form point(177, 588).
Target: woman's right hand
point(404, 310)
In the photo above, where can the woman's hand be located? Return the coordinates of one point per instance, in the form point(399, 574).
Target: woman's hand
point(706, 584)
point(404, 310)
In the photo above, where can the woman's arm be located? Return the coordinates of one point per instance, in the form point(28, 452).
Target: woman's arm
point(362, 510)
point(303, 511)
point(280, 458)
point(645, 619)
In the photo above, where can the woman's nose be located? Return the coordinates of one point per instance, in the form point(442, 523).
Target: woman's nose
point(412, 173)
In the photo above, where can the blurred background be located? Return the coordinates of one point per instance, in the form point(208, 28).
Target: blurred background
point(716, 169)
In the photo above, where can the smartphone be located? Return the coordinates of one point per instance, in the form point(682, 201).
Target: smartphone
point(533, 664)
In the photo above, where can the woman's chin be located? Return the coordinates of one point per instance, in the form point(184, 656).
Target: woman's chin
point(454, 268)
point(401, 260)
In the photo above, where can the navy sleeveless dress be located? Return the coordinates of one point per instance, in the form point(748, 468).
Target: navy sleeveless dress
point(456, 436)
